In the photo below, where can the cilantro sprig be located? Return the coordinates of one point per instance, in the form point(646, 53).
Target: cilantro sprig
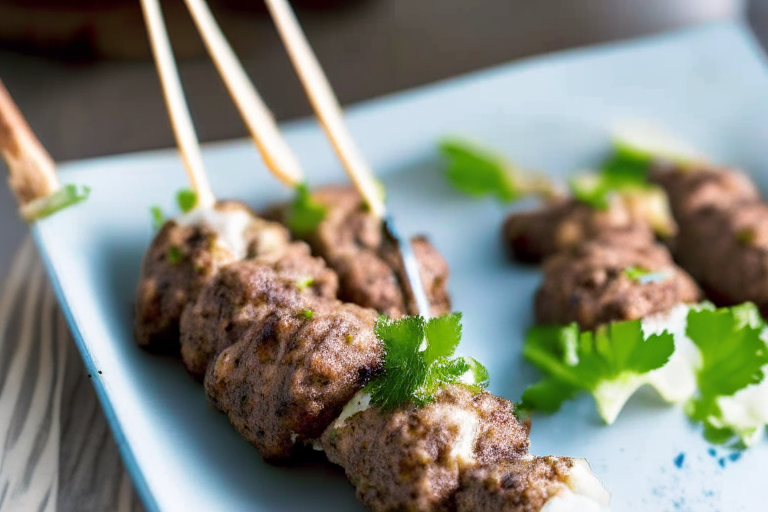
point(714, 361)
point(65, 197)
point(734, 358)
point(305, 213)
point(611, 363)
point(419, 360)
point(479, 172)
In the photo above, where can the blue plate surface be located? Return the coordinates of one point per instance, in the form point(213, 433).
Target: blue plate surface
point(709, 85)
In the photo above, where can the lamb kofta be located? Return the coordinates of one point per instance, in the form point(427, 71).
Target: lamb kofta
point(435, 458)
point(369, 266)
point(533, 235)
point(611, 279)
point(723, 237)
point(224, 313)
point(185, 254)
point(296, 360)
point(600, 266)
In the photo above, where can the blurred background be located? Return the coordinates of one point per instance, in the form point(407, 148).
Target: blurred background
point(81, 72)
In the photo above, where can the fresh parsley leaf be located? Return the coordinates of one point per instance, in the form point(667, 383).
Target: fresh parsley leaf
point(186, 199)
point(66, 196)
point(734, 359)
point(174, 255)
point(308, 314)
point(610, 363)
point(418, 361)
point(444, 335)
point(305, 213)
point(158, 218)
point(479, 172)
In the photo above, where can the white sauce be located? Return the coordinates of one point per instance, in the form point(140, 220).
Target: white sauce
point(583, 492)
point(229, 225)
point(676, 380)
point(360, 402)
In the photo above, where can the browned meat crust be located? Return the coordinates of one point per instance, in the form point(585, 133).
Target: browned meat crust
point(224, 312)
point(520, 485)
point(692, 189)
point(532, 236)
point(723, 239)
point(369, 268)
point(298, 361)
point(589, 284)
point(407, 459)
point(178, 264)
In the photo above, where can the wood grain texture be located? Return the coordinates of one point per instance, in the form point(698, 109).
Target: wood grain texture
point(57, 450)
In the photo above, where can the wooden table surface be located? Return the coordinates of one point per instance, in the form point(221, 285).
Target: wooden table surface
point(82, 110)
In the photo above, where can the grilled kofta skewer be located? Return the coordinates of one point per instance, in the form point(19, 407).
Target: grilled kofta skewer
point(187, 253)
point(723, 236)
point(294, 360)
point(369, 266)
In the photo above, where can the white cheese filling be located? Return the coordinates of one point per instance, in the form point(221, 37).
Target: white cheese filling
point(583, 492)
point(360, 402)
point(229, 225)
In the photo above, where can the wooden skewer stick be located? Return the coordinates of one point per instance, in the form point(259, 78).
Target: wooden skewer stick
point(325, 104)
point(186, 139)
point(257, 117)
point(32, 173)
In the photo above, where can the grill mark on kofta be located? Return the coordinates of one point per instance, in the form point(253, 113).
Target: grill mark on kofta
point(287, 376)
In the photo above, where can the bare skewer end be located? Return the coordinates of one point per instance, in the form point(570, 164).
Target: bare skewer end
point(31, 171)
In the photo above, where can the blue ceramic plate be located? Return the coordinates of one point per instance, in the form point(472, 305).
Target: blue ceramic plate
point(709, 85)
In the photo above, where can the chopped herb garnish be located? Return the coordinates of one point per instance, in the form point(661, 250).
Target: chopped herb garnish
point(610, 363)
point(592, 189)
point(644, 276)
point(734, 358)
point(174, 255)
point(478, 172)
point(186, 199)
point(308, 314)
point(158, 218)
point(418, 361)
point(304, 283)
point(66, 196)
point(305, 213)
